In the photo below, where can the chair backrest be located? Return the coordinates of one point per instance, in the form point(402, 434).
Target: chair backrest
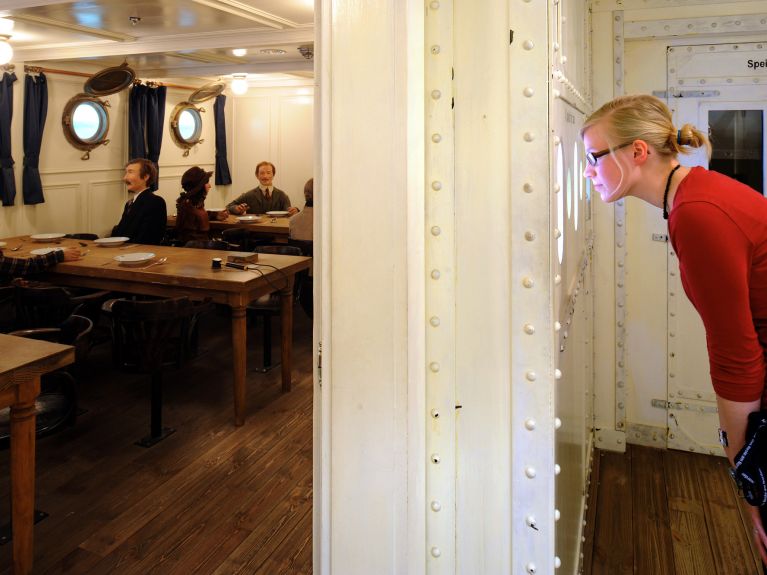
point(279, 249)
point(74, 331)
point(40, 305)
point(143, 331)
point(306, 246)
point(207, 245)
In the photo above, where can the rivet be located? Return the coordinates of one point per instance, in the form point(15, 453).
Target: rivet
point(620, 264)
point(557, 515)
point(529, 236)
point(557, 374)
point(530, 568)
point(557, 326)
point(528, 45)
point(531, 376)
point(436, 94)
point(557, 423)
point(436, 185)
point(435, 413)
point(436, 138)
point(620, 244)
point(557, 188)
point(530, 521)
point(528, 282)
point(435, 458)
point(564, 59)
point(556, 93)
point(436, 506)
point(436, 230)
point(557, 140)
point(529, 329)
point(434, 321)
point(557, 233)
point(435, 49)
point(529, 136)
point(527, 188)
point(434, 366)
point(557, 469)
point(557, 277)
point(530, 472)
point(435, 551)
point(435, 274)
point(620, 384)
point(528, 92)
point(620, 405)
point(529, 424)
point(555, 46)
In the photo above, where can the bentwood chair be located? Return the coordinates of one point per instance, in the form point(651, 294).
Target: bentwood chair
point(269, 306)
point(56, 405)
point(147, 337)
point(41, 305)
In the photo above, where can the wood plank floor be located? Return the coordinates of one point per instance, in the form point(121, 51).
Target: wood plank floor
point(656, 512)
point(211, 498)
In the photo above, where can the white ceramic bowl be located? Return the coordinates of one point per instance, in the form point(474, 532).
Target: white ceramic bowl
point(134, 258)
point(45, 251)
point(111, 242)
point(278, 214)
point(248, 219)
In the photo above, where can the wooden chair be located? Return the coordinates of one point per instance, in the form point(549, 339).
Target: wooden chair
point(148, 336)
point(82, 236)
point(269, 306)
point(208, 245)
point(57, 403)
point(41, 305)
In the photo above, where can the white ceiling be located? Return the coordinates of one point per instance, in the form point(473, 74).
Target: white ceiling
point(170, 38)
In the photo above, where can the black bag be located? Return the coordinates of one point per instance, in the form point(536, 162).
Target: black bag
point(750, 472)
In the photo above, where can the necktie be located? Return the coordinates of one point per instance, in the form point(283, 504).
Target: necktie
point(267, 194)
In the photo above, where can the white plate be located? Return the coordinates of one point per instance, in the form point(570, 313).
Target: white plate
point(45, 251)
point(248, 219)
point(111, 242)
point(134, 259)
point(46, 237)
point(277, 214)
point(215, 209)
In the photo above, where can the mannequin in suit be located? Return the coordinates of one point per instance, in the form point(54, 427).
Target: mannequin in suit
point(145, 216)
point(265, 197)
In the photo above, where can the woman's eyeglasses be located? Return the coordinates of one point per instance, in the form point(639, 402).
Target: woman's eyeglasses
point(592, 157)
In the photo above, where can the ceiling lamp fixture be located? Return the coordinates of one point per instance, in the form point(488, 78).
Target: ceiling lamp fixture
point(273, 51)
point(239, 84)
point(307, 51)
point(240, 52)
point(6, 52)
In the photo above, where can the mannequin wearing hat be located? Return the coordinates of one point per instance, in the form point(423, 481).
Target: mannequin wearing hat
point(191, 218)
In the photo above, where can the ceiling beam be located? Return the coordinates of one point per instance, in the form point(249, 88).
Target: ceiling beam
point(9, 5)
point(247, 38)
point(217, 70)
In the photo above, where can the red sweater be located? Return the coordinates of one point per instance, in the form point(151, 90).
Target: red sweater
point(718, 228)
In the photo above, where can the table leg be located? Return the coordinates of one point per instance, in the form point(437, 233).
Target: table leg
point(239, 361)
point(23, 475)
point(286, 311)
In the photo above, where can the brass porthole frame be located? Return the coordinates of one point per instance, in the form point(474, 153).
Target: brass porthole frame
point(100, 139)
point(186, 143)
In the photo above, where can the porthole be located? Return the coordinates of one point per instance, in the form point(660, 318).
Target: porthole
point(86, 122)
point(186, 125)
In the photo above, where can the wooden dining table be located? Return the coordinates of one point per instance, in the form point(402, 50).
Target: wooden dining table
point(187, 272)
point(22, 362)
point(279, 227)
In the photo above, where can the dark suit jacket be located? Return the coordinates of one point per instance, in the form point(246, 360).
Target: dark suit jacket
point(143, 222)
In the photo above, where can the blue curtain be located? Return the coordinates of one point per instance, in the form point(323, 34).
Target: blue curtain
point(35, 112)
point(155, 114)
point(136, 121)
point(223, 177)
point(7, 180)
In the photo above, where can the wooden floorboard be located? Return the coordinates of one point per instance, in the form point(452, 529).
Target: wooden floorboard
point(666, 513)
point(209, 495)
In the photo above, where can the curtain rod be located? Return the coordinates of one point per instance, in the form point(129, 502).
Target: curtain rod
point(38, 69)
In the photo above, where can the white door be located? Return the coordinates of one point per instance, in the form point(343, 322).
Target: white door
point(721, 89)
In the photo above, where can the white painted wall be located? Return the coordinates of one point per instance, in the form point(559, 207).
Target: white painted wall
point(273, 124)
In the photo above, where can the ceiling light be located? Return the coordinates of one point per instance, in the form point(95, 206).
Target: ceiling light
point(273, 51)
point(239, 52)
point(240, 84)
point(6, 27)
point(6, 52)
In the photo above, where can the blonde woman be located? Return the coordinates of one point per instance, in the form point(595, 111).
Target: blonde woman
point(718, 229)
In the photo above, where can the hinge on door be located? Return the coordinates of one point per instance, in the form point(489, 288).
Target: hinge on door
point(659, 237)
point(319, 363)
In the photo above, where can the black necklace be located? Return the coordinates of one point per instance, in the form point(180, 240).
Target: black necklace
point(665, 192)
